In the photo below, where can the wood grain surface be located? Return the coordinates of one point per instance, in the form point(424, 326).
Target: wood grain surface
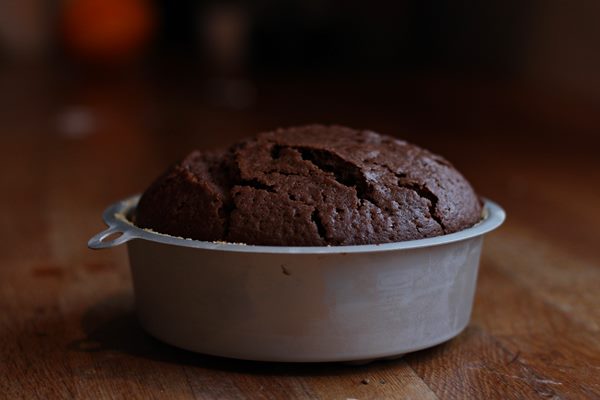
point(69, 147)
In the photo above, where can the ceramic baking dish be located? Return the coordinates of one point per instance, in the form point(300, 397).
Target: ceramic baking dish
point(300, 304)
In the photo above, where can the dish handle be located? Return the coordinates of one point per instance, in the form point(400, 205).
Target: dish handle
point(110, 237)
point(118, 231)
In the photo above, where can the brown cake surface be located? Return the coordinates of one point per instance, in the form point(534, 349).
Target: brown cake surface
point(311, 186)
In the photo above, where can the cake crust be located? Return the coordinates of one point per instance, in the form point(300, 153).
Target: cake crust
point(313, 185)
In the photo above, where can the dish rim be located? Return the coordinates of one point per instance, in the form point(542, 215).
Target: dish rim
point(115, 216)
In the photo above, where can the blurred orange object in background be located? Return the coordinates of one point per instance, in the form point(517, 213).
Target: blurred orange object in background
point(106, 31)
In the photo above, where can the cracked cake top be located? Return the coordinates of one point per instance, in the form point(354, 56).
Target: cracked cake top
point(311, 186)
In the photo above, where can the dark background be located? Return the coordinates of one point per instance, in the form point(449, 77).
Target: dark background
point(545, 41)
point(519, 77)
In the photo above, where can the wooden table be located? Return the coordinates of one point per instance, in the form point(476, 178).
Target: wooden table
point(69, 147)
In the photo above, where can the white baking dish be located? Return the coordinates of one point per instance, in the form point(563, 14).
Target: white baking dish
point(270, 303)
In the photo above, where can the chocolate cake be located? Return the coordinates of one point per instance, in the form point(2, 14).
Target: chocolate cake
point(311, 186)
